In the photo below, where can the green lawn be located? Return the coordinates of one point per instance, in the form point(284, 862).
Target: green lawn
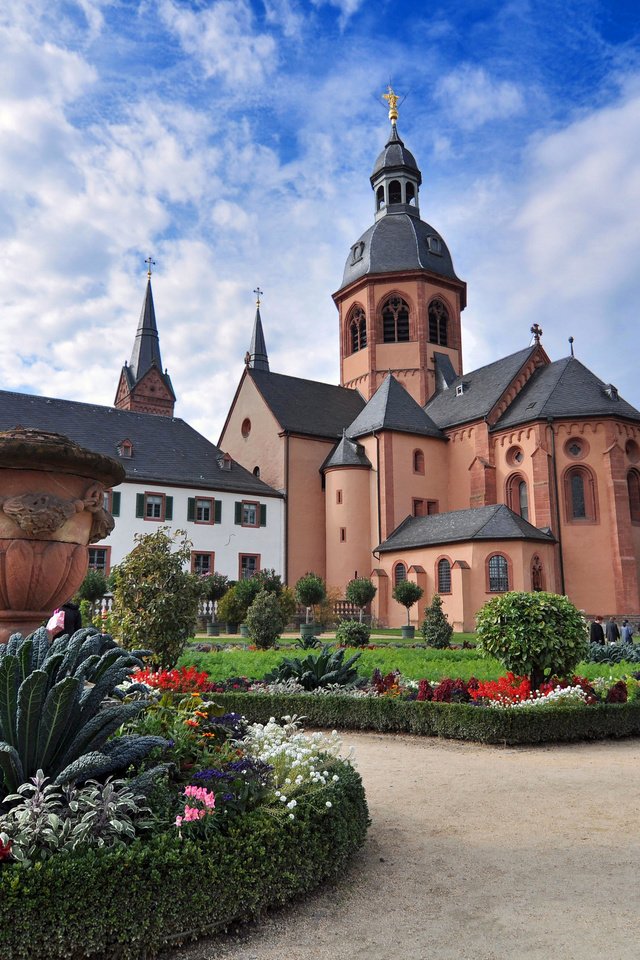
point(413, 664)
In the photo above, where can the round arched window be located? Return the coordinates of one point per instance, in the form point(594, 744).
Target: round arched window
point(632, 450)
point(245, 429)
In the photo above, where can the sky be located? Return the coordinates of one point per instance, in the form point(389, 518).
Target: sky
point(232, 141)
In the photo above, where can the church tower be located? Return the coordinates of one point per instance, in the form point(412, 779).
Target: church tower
point(143, 387)
point(400, 300)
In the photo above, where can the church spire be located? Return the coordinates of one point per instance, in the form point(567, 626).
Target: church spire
point(257, 356)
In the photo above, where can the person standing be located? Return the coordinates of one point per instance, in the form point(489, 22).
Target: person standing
point(596, 633)
point(627, 632)
point(612, 631)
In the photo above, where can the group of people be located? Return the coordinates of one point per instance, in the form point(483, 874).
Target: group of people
point(611, 632)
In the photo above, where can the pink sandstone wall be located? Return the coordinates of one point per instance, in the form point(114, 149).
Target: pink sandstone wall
point(306, 508)
point(262, 447)
point(352, 556)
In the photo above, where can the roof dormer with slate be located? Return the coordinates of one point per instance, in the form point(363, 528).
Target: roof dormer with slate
point(143, 386)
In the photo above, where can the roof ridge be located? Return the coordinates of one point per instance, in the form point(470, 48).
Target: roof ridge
point(490, 517)
point(559, 379)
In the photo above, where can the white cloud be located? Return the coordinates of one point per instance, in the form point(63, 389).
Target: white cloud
point(472, 97)
point(223, 39)
point(347, 8)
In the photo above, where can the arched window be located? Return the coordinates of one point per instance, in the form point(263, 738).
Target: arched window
point(537, 575)
point(438, 323)
point(380, 198)
point(518, 495)
point(444, 576)
point(498, 574)
point(418, 461)
point(411, 194)
point(256, 472)
point(357, 329)
point(395, 192)
point(395, 320)
point(580, 494)
point(399, 574)
point(633, 486)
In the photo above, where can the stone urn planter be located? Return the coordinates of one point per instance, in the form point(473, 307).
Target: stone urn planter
point(408, 633)
point(51, 508)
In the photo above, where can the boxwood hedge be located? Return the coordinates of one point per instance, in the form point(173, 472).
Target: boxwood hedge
point(459, 721)
point(127, 904)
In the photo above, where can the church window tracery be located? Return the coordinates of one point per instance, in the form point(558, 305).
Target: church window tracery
point(357, 329)
point(580, 494)
point(498, 574)
point(438, 323)
point(395, 321)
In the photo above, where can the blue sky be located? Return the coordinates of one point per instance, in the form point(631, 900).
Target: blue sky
point(233, 140)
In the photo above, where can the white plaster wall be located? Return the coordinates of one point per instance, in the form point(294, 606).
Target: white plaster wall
point(226, 539)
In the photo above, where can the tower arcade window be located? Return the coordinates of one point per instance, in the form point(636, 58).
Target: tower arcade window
point(395, 192)
point(411, 194)
point(357, 329)
point(580, 494)
point(633, 486)
point(395, 321)
point(380, 198)
point(438, 323)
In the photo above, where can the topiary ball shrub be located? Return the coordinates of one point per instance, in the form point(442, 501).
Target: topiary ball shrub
point(265, 620)
point(351, 633)
point(537, 635)
point(436, 629)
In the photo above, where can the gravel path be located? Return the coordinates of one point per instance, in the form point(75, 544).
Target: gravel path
point(474, 853)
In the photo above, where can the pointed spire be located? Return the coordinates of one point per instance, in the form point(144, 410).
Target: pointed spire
point(257, 354)
point(146, 346)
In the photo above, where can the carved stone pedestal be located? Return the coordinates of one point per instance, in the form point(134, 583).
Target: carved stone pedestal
point(51, 508)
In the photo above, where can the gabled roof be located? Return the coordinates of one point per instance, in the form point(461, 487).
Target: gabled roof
point(565, 388)
point(307, 406)
point(496, 522)
point(392, 408)
point(166, 450)
point(348, 453)
point(481, 390)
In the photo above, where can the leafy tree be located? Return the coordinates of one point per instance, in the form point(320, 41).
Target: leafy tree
point(407, 593)
point(436, 629)
point(361, 591)
point(155, 598)
point(269, 580)
point(288, 604)
point(230, 609)
point(310, 590)
point(92, 589)
point(214, 587)
point(247, 590)
point(535, 634)
point(265, 620)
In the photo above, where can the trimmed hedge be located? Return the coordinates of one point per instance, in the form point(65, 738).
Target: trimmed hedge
point(128, 904)
point(458, 721)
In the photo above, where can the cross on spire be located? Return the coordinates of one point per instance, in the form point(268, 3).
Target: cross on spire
point(536, 330)
point(150, 263)
point(259, 293)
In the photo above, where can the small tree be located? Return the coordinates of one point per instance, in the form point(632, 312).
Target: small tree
point(93, 588)
point(230, 609)
point(436, 629)
point(214, 587)
point(287, 603)
point(534, 634)
point(360, 591)
point(407, 593)
point(265, 620)
point(310, 590)
point(155, 598)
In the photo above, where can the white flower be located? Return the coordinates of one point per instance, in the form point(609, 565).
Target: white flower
point(291, 816)
point(292, 804)
point(335, 778)
point(328, 804)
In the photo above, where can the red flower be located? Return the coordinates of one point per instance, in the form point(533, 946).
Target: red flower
point(5, 850)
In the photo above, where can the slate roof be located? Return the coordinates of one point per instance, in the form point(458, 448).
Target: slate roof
point(395, 156)
point(398, 241)
point(482, 389)
point(347, 453)
point(392, 408)
point(565, 388)
point(258, 358)
point(496, 522)
point(166, 450)
point(308, 407)
point(146, 346)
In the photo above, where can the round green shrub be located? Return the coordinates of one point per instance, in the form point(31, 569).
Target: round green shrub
point(353, 634)
point(407, 593)
point(265, 620)
point(230, 608)
point(533, 634)
point(310, 590)
point(360, 591)
point(436, 629)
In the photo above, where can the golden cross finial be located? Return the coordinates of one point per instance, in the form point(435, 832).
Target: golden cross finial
point(259, 293)
point(392, 99)
point(150, 263)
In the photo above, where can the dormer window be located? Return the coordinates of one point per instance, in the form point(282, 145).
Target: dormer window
point(357, 250)
point(435, 245)
point(611, 392)
point(125, 449)
point(225, 462)
point(459, 389)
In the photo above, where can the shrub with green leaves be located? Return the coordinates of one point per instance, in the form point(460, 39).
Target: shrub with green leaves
point(230, 608)
point(436, 629)
point(351, 633)
point(360, 591)
point(309, 590)
point(316, 670)
point(407, 593)
point(265, 620)
point(155, 598)
point(533, 634)
point(53, 715)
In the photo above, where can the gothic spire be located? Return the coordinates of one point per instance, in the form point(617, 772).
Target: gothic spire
point(258, 359)
point(146, 346)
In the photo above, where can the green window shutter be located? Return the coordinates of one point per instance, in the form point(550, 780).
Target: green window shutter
point(115, 503)
point(191, 508)
point(139, 504)
point(263, 514)
point(238, 518)
point(218, 511)
point(168, 508)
